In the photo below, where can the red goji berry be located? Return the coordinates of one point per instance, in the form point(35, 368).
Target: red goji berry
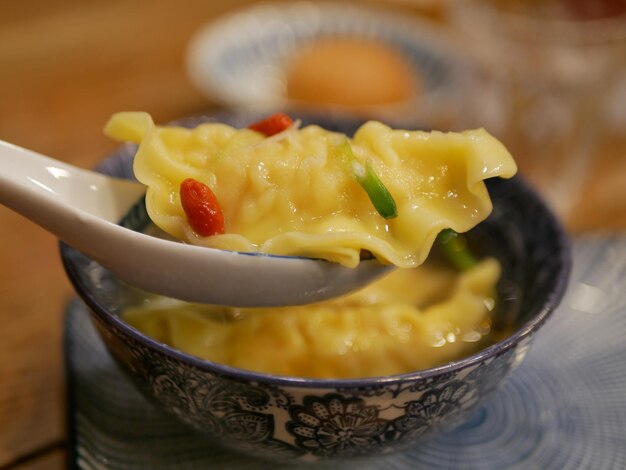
point(272, 124)
point(202, 208)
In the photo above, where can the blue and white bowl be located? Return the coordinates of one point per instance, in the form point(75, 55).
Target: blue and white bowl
point(239, 60)
point(289, 418)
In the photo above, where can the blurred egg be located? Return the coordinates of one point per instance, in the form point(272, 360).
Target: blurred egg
point(351, 72)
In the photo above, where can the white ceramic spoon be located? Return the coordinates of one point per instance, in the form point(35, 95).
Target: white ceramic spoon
point(82, 208)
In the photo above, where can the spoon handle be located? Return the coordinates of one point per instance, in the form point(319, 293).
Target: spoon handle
point(82, 207)
point(56, 195)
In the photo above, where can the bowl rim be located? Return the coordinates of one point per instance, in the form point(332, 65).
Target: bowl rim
point(543, 312)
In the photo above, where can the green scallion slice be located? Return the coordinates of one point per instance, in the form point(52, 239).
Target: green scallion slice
point(365, 175)
point(454, 246)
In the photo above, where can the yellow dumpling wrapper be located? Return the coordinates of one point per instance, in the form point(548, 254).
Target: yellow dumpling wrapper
point(290, 195)
point(410, 320)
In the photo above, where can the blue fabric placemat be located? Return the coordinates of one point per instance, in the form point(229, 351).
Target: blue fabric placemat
point(564, 408)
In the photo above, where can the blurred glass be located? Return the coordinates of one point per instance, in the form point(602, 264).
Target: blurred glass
point(548, 66)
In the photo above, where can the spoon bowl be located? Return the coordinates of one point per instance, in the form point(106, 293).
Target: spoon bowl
point(83, 209)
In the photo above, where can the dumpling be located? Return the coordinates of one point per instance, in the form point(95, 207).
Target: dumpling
point(412, 319)
point(293, 193)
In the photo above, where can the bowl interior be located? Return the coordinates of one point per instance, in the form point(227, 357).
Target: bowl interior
point(521, 232)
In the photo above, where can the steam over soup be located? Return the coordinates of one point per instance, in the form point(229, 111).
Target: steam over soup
point(312, 192)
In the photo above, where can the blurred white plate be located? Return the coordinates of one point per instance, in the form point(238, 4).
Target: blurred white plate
point(238, 60)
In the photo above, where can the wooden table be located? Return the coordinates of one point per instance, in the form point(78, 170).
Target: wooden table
point(65, 67)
